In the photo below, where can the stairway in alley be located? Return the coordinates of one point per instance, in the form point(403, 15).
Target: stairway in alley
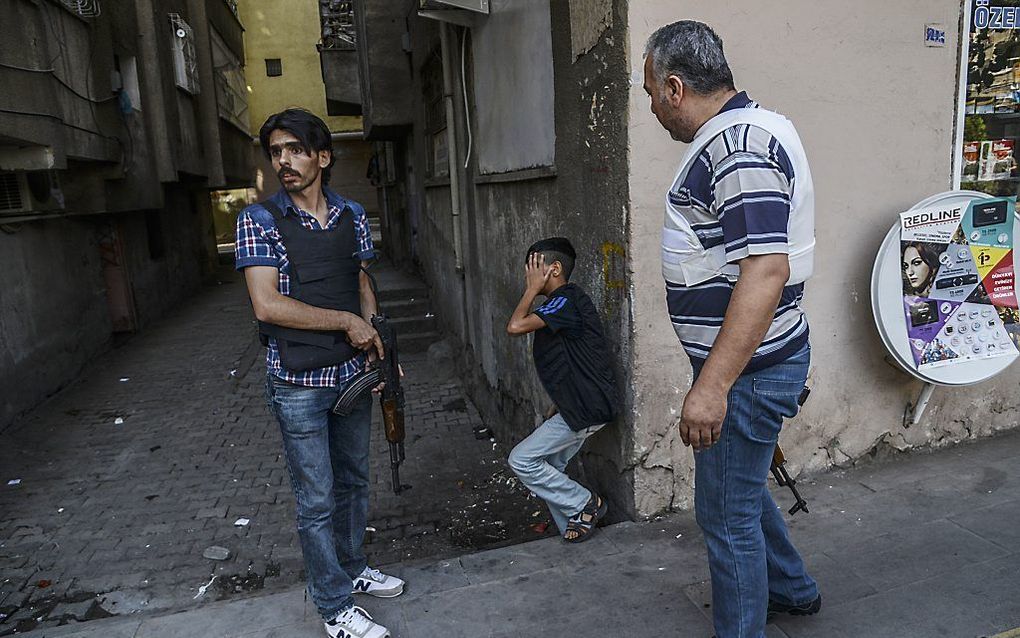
point(405, 299)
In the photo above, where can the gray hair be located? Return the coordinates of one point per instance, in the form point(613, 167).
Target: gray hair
point(693, 52)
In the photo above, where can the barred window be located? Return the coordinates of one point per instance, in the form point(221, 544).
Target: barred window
point(185, 58)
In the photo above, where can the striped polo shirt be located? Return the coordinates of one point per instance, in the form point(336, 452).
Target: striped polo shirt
point(740, 188)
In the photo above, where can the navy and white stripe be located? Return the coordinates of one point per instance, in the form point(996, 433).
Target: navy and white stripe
point(552, 306)
point(737, 194)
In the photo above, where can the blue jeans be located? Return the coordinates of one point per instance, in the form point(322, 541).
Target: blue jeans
point(540, 460)
point(327, 459)
point(750, 556)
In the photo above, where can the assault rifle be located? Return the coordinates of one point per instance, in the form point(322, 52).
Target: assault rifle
point(783, 477)
point(391, 398)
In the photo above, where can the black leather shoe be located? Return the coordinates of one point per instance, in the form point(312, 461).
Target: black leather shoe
point(807, 609)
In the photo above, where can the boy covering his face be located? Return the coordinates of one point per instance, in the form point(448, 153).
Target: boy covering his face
point(573, 363)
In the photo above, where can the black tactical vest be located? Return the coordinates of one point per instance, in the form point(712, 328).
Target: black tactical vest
point(324, 269)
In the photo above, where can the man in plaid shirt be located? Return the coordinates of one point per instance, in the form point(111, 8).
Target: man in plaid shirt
point(327, 455)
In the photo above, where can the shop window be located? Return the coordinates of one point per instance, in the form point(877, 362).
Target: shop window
point(990, 99)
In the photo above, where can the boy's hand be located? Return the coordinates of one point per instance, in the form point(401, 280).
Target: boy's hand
point(536, 273)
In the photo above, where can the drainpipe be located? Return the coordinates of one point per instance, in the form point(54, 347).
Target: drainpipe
point(152, 89)
point(209, 116)
point(451, 142)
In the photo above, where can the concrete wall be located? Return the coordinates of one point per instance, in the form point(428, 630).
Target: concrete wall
point(55, 313)
point(583, 196)
point(513, 65)
point(289, 31)
point(54, 316)
point(876, 111)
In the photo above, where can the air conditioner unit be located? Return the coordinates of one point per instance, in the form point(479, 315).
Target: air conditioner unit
point(479, 6)
point(466, 13)
point(29, 192)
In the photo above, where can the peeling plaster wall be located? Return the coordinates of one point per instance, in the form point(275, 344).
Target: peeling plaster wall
point(583, 196)
point(876, 111)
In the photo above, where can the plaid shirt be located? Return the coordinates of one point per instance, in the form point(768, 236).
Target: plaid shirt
point(259, 244)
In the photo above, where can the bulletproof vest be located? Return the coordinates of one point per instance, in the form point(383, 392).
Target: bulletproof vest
point(324, 269)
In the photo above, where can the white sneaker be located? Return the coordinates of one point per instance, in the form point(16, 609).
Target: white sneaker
point(354, 622)
point(375, 583)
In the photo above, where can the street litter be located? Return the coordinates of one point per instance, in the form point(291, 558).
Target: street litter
point(539, 528)
point(124, 379)
point(118, 421)
point(14, 482)
point(429, 315)
point(215, 552)
point(370, 529)
point(203, 588)
point(60, 510)
point(241, 522)
point(679, 535)
point(233, 373)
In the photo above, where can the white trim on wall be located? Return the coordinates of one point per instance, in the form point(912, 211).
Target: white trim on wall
point(961, 94)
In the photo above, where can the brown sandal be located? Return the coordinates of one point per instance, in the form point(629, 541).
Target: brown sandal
point(581, 526)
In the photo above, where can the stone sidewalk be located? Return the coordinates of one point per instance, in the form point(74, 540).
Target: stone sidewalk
point(111, 491)
point(917, 546)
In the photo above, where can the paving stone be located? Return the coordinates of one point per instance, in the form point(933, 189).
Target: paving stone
point(76, 611)
point(200, 449)
point(914, 553)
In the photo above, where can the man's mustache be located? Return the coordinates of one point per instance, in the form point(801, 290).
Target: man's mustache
point(283, 172)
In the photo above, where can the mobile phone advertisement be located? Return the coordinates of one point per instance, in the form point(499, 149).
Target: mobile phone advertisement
point(958, 282)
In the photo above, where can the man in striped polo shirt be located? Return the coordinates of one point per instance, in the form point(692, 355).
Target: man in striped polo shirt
point(737, 247)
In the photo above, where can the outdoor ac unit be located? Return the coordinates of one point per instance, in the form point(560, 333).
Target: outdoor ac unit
point(479, 6)
point(29, 192)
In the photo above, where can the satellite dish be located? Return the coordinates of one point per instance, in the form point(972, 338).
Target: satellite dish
point(181, 33)
point(887, 306)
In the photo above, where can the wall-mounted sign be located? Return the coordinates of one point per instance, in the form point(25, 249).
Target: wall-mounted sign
point(958, 284)
point(934, 35)
point(943, 288)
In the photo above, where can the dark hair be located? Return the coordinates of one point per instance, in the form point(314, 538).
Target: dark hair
point(310, 130)
point(556, 249)
point(693, 52)
point(929, 255)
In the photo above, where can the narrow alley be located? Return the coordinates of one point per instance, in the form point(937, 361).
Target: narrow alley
point(115, 487)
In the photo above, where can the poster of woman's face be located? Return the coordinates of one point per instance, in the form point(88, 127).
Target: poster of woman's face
point(920, 264)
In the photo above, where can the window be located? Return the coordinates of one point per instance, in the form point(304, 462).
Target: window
point(231, 91)
point(154, 234)
point(274, 67)
point(185, 59)
point(438, 153)
point(126, 81)
point(989, 138)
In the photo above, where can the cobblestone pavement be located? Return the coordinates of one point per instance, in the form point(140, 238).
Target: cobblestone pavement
point(111, 491)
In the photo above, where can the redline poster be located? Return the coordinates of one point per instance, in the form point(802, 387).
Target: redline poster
point(959, 291)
